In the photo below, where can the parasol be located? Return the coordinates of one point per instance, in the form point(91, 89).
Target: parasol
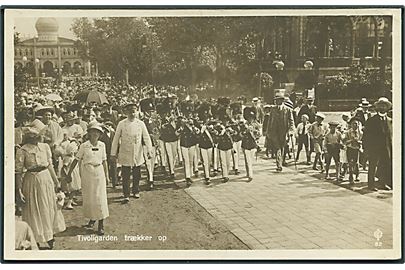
point(53, 97)
point(91, 96)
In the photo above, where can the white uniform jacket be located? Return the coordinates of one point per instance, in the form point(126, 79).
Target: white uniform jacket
point(129, 138)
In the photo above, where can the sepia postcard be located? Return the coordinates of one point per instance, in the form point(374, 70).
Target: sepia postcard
point(202, 134)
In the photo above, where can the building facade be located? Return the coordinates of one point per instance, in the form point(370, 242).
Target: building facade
point(332, 42)
point(48, 54)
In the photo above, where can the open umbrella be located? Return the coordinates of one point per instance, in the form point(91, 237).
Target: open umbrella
point(53, 97)
point(91, 96)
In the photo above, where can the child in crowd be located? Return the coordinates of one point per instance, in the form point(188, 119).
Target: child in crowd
point(317, 133)
point(303, 137)
point(352, 140)
point(332, 146)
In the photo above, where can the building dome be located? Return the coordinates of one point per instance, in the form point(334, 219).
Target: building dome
point(47, 29)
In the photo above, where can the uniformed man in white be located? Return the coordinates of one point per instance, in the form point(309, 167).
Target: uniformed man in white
point(129, 136)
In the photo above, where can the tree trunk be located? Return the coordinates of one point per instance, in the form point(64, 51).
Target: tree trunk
point(353, 40)
point(127, 76)
point(375, 37)
point(218, 70)
point(193, 82)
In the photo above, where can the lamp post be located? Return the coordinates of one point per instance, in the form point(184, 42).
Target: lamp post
point(37, 71)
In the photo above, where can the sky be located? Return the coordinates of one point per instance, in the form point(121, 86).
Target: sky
point(26, 27)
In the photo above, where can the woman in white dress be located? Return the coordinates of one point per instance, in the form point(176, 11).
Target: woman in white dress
point(92, 159)
point(35, 182)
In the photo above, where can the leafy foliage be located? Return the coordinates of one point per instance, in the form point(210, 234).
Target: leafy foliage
point(356, 82)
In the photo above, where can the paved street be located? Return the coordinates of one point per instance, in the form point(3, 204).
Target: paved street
point(293, 210)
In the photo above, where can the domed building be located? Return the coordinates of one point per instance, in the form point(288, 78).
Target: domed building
point(48, 54)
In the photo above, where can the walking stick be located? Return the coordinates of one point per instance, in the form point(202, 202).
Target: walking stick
point(293, 150)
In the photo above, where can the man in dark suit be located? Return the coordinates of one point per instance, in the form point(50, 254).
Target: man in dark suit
point(377, 142)
point(362, 113)
point(107, 138)
point(279, 122)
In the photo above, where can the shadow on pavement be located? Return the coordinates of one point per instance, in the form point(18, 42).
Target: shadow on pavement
point(74, 231)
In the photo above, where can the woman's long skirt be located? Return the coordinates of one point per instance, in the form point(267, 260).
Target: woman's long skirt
point(94, 192)
point(40, 208)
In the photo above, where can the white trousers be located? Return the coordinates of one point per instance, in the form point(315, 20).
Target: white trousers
point(206, 156)
point(215, 154)
point(249, 158)
point(236, 154)
point(171, 150)
point(150, 163)
point(188, 154)
point(179, 155)
point(163, 154)
point(225, 157)
point(196, 158)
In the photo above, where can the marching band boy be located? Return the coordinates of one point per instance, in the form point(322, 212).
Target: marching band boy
point(225, 146)
point(206, 144)
point(250, 136)
point(188, 141)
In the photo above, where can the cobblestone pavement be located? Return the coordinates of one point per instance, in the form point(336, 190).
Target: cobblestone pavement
point(297, 209)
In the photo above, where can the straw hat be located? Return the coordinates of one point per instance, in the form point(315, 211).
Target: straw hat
point(36, 128)
point(383, 101)
point(333, 123)
point(95, 125)
point(321, 115)
point(308, 64)
point(278, 95)
point(40, 110)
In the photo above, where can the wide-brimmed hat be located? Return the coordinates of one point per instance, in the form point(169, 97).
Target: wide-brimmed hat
point(96, 126)
point(383, 101)
point(321, 115)
point(40, 110)
point(308, 63)
point(278, 95)
point(279, 64)
point(333, 123)
point(35, 128)
point(364, 103)
point(255, 99)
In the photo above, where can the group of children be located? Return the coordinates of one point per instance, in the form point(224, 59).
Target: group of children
point(340, 142)
point(217, 144)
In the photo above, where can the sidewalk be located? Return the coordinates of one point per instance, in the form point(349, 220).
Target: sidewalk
point(296, 210)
